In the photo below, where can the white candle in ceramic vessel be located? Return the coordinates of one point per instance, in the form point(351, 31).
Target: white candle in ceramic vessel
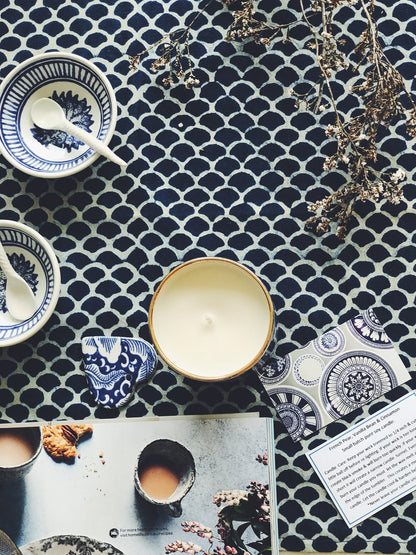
point(211, 319)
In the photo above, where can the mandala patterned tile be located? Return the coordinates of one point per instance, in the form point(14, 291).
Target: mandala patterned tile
point(114, 366)
point(333, 375)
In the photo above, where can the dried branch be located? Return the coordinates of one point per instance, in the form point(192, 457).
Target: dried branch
point(380, 89)
point(356, 152)
point(174, 55)
point(247, 25)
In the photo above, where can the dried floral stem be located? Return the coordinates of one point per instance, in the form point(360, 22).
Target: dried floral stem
point(238, 510)
point(246, 25)
point(380, 93)
point(172, 54)
point(357, 137)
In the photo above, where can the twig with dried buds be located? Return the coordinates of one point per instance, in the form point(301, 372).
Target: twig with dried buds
point(356, 152)
point(174, 55)
point(381, 90)
point(247, 25)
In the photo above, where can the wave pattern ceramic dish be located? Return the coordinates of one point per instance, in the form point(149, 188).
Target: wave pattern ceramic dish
point(86, 97)
point(33, 259)
point(69, 545)
point(115, 365)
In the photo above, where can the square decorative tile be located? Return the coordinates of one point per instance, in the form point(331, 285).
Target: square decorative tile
point(334, 374)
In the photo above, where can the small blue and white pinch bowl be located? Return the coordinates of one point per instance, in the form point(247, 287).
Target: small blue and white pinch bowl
point(33, 258)
point(84, 93)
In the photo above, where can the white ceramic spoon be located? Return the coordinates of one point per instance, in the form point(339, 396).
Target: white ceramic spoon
point(20, 300)
point(47, 113)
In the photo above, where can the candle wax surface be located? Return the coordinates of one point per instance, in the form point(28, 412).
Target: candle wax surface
point(211, 318)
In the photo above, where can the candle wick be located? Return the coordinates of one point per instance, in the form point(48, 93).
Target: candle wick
point(208, 320)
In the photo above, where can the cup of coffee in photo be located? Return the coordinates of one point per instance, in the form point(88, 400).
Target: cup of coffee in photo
point(19, 448)
point(164, 474)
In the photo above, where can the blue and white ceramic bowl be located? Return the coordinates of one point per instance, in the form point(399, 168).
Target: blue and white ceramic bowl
point(33, 258)
point(114, 366)
point(85, 95)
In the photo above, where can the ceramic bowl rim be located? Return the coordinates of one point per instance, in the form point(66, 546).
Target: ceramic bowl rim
point(238, 371)
point(143, 452)
point(36, 236)
point(100, 75)
point(66, 540)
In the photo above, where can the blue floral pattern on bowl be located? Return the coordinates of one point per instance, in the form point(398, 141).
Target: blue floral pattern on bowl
point(67, 544)
point(33, 259)
point(77, 111)
point(82, 90)
point(114, 366)
point(23, 268)
point(333, 375)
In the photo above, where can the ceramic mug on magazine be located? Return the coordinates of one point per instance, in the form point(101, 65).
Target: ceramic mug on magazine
point(19, 449)
point(164, 474)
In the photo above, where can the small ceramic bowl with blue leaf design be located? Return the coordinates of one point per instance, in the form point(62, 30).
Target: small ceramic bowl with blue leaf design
point(34, 260)
point(86, 97)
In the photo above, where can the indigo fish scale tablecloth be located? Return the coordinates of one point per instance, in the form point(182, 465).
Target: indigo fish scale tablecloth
point(224, 169)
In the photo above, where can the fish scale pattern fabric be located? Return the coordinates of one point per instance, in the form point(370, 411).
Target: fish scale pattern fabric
point(224, 169)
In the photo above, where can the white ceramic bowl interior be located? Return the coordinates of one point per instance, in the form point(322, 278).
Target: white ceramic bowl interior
point(84, 93)
point(33, 258)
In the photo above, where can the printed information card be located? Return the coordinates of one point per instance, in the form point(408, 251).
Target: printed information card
point(372, 464)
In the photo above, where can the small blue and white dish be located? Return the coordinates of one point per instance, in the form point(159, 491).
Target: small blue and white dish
point(114, 366)
point(34, 260)
point(85, 95)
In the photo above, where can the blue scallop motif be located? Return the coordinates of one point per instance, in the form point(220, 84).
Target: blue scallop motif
point(114, 366)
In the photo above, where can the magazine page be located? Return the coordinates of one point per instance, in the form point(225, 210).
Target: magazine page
point(113, 488)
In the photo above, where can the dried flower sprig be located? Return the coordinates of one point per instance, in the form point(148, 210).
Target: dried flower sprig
point(380, 93)
point(173, 48)
point(247, 25)
point(381, 89)
point(173, 55)
point(239, 510)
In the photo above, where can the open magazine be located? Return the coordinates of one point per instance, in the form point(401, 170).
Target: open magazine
point(111, 495)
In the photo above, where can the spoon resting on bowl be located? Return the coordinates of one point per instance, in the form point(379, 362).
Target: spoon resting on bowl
point(20, 300)
point(48, 114)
